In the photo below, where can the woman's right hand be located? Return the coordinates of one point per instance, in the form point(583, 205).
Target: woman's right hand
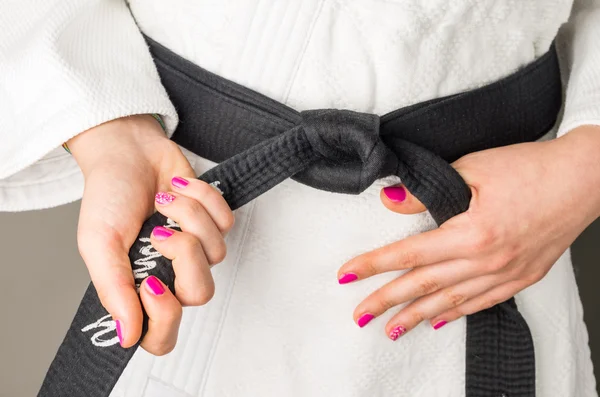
point(131, 167)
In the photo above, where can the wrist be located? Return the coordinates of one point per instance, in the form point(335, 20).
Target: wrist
point(125, 136)
point(581, 149)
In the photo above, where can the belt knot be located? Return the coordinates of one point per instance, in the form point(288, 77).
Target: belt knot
point(354, 155)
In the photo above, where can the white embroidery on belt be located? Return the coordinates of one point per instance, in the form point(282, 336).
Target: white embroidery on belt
point(106, 325)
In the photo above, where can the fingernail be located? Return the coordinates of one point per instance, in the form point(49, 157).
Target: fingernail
point(162, 233)
point(364, 319)
point(179, 182)
point(347, 278)
point(155, 286)
point(397, 332)
point(395, 193)
point(164, 198)
point(119, 332)
point(440, 324)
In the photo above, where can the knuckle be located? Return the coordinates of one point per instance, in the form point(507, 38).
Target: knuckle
point(161, 348)
point(228, 222)
point(173, 316)
point(515, 273)
point(191, 246)
point(454, 299)
point(535, 276)
point(82, 244)
point(495, 264)
point(202, 296)
point(169, 145)
point(428, 286)
point(368, 264)
point(410, 260)
point(218, 254)
point(489, 302)
point(205, 190)
point(416, 317)
point(383, 301)
point(192, 210)
point(484, 237)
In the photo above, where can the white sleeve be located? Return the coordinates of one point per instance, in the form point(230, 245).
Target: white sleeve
point(67, 66)
point(579, 48)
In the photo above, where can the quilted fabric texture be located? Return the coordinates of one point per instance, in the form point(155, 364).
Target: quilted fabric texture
point(279, 324)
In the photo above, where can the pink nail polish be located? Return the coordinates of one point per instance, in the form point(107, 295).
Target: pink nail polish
point(164, 198)
point(179, 182)
point(397, 332)
point(119, 332)
point(155, 286)
point(364, 319)
point(347, 278)
point(440, 324)
point(162, 233)
point(395, 193)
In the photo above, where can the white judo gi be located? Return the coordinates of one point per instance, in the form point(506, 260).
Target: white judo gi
point(279, 324)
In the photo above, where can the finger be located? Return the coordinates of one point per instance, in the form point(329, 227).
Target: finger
point(193, 218)
point(110, 271)
point(210, 198)
point(164, 316)
point(438, 245)
point(416, 283)
point(398, 199)
point(194, 285)
point(432, 305)
point(480, 302)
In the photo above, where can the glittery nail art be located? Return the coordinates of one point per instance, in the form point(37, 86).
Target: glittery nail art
point(164, 198)
point(397, 332)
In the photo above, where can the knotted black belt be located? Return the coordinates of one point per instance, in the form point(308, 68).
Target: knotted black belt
point(261, 142)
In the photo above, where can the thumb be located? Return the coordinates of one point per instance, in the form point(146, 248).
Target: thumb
point(112, 211)
point(110, 271)
point(397, 198)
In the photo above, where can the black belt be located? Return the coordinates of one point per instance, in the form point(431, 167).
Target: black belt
point(261, 142)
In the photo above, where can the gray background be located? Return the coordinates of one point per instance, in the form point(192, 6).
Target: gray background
point(43, 279)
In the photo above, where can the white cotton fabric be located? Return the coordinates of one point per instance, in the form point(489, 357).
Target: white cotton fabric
point(279, 324)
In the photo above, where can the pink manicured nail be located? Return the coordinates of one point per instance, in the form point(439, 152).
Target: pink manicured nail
point(162, 233)
point(347, 278)
point(119, 332)
point(395, 193)
point(179, 182)
point(364, 319)
point(440, 324)
point(155, 286)
point(164, 198)
point(397, 332)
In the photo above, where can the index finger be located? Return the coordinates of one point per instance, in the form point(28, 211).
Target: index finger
point(426, 248)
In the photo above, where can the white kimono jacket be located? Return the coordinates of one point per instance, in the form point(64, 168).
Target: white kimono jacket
point(279, 324)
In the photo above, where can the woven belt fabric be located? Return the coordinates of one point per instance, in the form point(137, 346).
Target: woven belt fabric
point(260, 142)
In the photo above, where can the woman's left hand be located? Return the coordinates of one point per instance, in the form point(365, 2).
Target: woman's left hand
point(529, 203)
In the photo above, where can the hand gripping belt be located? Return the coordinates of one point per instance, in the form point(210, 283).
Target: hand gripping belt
point(260, 142)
